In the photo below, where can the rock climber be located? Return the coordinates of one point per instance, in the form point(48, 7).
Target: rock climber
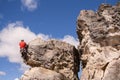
point(23, 49)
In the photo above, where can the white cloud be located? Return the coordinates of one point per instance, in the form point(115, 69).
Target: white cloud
point(13, 33)
point(43, 36)
point(9, 41)
point(71, 40)
point(2, 73)
point(24, 67)
point(30, 4)
point(16, 79)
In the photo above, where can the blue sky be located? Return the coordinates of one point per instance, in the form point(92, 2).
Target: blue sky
point(28, 19)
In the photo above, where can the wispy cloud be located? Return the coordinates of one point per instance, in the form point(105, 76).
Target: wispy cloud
point(30, 5)
point(13, 33)
point(2, 73)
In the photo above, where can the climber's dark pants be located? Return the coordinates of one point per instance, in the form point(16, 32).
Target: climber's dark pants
point(23, 52)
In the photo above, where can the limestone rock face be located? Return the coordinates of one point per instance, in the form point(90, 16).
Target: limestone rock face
point(99, 36)
point(54, 55)
point(39, 73)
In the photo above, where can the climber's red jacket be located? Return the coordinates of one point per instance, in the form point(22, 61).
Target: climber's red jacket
point(22, 44)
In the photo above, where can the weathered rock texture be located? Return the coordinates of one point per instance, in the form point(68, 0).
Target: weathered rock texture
point(39, 73)
point(60, 60)
point(99, 35)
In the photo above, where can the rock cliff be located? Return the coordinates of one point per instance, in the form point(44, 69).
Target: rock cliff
point(99, 49)
point(51, 60)
point(99, 36)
